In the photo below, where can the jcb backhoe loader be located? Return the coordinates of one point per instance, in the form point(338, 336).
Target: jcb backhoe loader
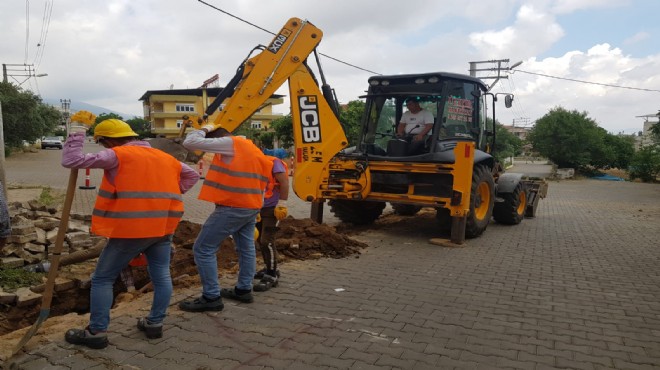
point(455, 173)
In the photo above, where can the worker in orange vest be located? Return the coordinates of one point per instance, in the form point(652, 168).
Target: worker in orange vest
point(235, 183)
point(138, 207)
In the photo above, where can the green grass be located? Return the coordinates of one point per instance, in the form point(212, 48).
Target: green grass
point(49, 198)
point(11, 279)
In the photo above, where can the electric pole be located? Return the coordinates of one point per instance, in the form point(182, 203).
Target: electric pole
point(499, 69)
point(66, 104)
point(19, 70)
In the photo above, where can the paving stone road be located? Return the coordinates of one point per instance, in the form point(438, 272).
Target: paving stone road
point(578, 287)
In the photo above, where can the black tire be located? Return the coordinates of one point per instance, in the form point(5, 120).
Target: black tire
point(512, 210)
point(444, 220)
point(405, 209)
point(356, 212)
point(482, 200)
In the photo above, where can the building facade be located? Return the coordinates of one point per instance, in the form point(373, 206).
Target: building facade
point(165, 109)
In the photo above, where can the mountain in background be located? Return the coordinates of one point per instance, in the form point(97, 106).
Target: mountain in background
point(78, 105)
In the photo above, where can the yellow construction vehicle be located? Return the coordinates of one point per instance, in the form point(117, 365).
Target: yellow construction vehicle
point(455, 172)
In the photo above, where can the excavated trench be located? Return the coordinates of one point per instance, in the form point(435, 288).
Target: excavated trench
point(297, 239)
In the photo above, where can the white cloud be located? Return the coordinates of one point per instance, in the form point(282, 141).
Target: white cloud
point(110, 53)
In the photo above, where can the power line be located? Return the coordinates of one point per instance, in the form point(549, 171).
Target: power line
point(273, 33)
point(585, 82)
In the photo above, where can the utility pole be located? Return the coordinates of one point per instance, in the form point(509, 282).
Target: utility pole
point(19, 70)
point(66, 104)
point(524, 120)
point(499, 68)
point(2, 154)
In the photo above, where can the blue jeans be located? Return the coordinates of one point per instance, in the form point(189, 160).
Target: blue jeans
point(225, 221)
point(114, 257)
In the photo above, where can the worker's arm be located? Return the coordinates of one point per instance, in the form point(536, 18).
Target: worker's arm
point(73, 156)
point(283, 179)
point(197, 140)
point(189, 178)
point(425, 130)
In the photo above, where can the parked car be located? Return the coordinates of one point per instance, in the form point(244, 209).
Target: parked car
point(51, 142)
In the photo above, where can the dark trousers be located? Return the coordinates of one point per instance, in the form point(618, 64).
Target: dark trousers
point(267, 229)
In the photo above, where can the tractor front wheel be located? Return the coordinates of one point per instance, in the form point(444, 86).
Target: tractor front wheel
point(482, 200)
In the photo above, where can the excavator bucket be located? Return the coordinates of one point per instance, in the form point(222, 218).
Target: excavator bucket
point(174, 146)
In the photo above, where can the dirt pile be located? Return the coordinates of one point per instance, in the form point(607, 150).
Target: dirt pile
point(297, 239)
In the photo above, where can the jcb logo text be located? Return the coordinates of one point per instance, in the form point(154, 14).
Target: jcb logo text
point(309, 119)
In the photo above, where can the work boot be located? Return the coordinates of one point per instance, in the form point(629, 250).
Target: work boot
point(86, 338)
point(152, 331)
point(266, 283)
point(202, 304)
point(229, 293)
point(260, 274)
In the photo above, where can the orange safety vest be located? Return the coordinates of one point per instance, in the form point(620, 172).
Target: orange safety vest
point(241, 183)
point(272, 182)
point(145, 200)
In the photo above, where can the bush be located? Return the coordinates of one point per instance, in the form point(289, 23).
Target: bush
point(645, 164)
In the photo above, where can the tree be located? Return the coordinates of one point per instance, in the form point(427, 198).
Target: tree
point(623, 148)
point(507, 145)
point(645, 164)
point(570, 139)
point(141, 127)
point(351, 119)
point(283, 128)
point(25, 117)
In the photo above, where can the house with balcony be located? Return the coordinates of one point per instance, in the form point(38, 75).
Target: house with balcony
point(165, 108)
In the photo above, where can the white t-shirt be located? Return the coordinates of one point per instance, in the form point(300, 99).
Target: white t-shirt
point(420, 118)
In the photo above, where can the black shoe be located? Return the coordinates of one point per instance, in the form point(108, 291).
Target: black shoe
point(86, 338)
point(202, 304)
point(152, 331)
point(231, 294)
point(266, 283)
point(260, 274)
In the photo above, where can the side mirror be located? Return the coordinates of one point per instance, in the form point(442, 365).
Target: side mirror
point(508, 101)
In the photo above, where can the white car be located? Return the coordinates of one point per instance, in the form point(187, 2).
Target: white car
point(51, 142)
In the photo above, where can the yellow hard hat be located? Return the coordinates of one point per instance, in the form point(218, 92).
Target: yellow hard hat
point(113, 128)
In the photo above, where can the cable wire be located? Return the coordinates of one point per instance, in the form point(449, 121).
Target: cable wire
point(273, 33)
point(585, 82)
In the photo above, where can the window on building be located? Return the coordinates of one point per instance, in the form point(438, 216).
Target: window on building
point(185, 107)
point(256, 124)
point(179, 123)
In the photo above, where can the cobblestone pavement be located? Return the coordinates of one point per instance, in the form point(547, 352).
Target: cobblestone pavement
point(577, 287)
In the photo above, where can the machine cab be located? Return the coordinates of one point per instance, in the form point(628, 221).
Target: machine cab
point(457, 104)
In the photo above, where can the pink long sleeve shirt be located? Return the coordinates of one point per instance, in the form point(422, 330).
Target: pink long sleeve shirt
point(73, 157)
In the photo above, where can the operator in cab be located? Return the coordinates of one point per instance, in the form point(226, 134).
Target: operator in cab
point(415, 125)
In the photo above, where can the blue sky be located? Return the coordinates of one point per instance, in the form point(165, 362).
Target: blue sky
point(108, 53)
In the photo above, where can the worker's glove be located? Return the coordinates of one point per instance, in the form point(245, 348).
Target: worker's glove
point(281, 210)
point(208, 128)
point(256, 234)
point(258, 217)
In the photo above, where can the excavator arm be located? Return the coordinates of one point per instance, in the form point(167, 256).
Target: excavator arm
point(318, 133)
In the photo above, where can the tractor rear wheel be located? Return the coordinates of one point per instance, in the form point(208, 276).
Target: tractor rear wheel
point(405, 209)
point(356, 212)
point(482, 200)
point(512, 210)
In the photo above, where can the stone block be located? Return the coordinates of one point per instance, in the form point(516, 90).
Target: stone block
point(34, 248)
point(7, 298)
point(51, 235)
point(25, 297)
point(47, 223)
point(77, 237)
point(41, 236)
point(11, 262)
point(23, 229)
point(22, 239)
point(78, 227)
